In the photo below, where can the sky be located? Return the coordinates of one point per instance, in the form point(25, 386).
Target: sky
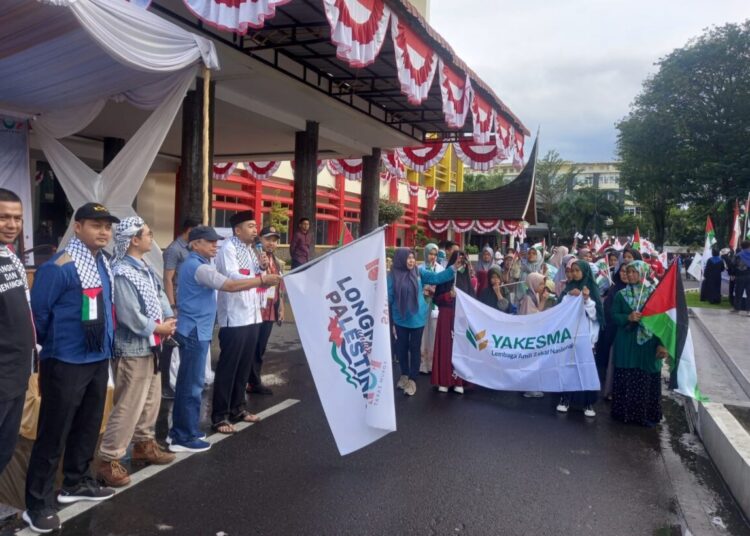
point(573, 67)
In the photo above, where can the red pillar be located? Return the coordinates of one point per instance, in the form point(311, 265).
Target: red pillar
point(390, 232)
point(411, 238)
point(258, 202)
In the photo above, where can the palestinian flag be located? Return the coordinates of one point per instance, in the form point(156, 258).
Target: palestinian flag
point(710, 241)
point(734, 240)
point(637, 239)
point(346, 236)
point(92, 304)
point(666, 315)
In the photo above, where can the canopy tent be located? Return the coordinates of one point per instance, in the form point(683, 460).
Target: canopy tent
point(93, 51)
point(506, 209)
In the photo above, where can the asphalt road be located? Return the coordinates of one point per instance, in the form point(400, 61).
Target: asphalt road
point(487, 463)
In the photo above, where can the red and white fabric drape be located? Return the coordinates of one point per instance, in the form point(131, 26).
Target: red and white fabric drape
point(234, 15)
point(518, 140)
point(416, 62)
point(393, 164)
point(423, 157)
point(483, 117)
point(431, 193)
point(413, 189)
point(514, 228)
point(350, 168)
point(358, 29)
point(503, 134)
point(222, 172)
point(479, 156)
point(455, 89)
point(263, 169)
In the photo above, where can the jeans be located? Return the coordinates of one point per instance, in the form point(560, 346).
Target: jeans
point(70, 419)
point(408, 350)
point(741, 285)
point(190, 377)
point(11, 412)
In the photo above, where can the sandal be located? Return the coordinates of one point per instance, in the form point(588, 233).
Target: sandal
point(245, 416)
point(224, 427)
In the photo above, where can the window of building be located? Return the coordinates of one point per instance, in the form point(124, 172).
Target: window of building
point(321, 232)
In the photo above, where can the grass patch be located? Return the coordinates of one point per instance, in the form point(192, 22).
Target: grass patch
point(693, 300)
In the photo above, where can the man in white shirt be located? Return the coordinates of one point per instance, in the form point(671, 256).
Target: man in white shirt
point(239, 317)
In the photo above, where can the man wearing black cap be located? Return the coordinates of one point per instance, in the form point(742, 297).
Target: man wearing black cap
point(72, 305)
point(272, 311)
point(196, 302)
point(239, 318)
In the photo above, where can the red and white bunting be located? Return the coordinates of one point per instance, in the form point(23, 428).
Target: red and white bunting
point(432, 193)
point(439, 226)
point(455, 88)
point(358, 29)
point(461, 226)
point(393, 164)
point(234, 15)
point(387, 176)
point(262, 170)
point(221, 172)
point(483, 117)
point(413, 189)
point(321, 165)
point(503, 133)
point(487, 226)
point(514, 228)
point(518, 141)
point(423, 157)
point(416, 62)
point(350, 168)
point(479, 156)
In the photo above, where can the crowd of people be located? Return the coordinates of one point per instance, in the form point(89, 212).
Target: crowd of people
point(69, 316)
point(615, 286)
point(736, 264)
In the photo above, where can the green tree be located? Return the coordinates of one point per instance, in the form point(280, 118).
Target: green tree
point(278, 217)
point(389, 212)
point(474, 182)
point(686, 137)
point(586, 211)
point(552, 184)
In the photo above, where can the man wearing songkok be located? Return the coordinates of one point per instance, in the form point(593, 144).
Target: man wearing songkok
point(144, 319)
point(72, 302)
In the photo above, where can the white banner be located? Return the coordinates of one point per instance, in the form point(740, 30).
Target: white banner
point(548, 351)
point(14, 171)
point(340, 305)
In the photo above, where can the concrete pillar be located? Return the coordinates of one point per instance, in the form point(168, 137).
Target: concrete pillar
point(189, 193)
point(370, 196)
point(305, 176)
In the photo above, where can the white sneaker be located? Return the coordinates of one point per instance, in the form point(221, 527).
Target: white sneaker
point(533, 394)
point(563, 406)
point(459, 389)
point(442, 389)
point(402, 381)
point(589, 411)
point(411, 388)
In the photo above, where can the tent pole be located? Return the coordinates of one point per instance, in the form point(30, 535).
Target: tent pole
point(206, 145)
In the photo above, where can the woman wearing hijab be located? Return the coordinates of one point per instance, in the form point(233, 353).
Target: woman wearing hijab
point(582, 283)
point(486, 261)
point(533, 300)
point(557, 257)
point(604, 358)
point(532, 263)
point(511, 273)
point(563, 274)
point(493, 295)
point(409, 311)
point(630, 255)
point(638, 354)
point(711, 285)
point(445, 298)
point(428, 336)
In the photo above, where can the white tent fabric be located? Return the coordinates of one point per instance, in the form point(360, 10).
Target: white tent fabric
point(89, 52)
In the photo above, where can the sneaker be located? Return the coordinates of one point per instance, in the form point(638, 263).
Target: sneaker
point(402, 381)
point(533, 394)
point(411, 388)
point(459, 389)
point(589, 411)
point(167, 393)
point(41, 521)
point(169, 438)
point(150, 451)
point(563, 406)
point(88, 490)
point(196, 445)
point(442, 389)
point(112, 473)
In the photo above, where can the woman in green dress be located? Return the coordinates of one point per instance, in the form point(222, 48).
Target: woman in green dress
point(638, 354)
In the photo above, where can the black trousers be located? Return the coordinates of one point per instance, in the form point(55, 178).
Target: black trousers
point(254, 378)
point(408, 344)
point(741, 285)
point(11, 412)
point(165, 358)
point(70, 419)
point(237, 350)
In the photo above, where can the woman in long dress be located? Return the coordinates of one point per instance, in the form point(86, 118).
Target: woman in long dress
point(582, 283)
point(486, 261)
point(430, 326)
point(534, 300)
point(604, 358)
point(711, 285)
point(445, 297)
point(638, 354)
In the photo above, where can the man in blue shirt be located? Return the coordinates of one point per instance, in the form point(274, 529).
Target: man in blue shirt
point(72, 305)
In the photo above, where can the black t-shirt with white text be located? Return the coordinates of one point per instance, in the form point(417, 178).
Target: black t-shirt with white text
point(16, 332)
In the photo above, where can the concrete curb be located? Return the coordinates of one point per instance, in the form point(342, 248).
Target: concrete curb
point(735, 370)
point(728, 444)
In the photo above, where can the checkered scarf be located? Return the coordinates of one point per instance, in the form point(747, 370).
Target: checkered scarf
point(17, 264)
point(146, 285)
point(124, 233)
point(92, 305)
point(246, 258)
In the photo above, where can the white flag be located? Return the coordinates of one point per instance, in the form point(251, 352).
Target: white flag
point(696, 267)
point(340, 304)
point(548, 351)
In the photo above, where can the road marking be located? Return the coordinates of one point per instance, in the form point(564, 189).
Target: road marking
point(76, 509)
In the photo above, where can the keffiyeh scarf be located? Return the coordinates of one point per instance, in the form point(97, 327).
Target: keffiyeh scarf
point(17, 264)
point(93, 316)
point(637, 295)
point(124, 233)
